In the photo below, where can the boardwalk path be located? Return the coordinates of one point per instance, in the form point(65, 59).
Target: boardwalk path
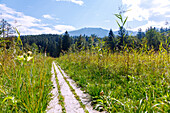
point(71, 103)
point(54, 107)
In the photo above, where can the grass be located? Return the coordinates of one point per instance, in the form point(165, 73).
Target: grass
point(126, 81)
point(25, 86)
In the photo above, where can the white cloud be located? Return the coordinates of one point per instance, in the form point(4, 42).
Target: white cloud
point(79, 2)
point(150, 23)
point(48, 16)
point(29, 25)
point(63, 28)
point(153, 11)
point(167, 16)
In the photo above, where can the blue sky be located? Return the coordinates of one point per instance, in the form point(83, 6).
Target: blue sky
point(57, 16)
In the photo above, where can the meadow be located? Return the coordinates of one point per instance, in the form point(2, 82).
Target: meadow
point(126, 78)
point(25, 79)
point(130, 80)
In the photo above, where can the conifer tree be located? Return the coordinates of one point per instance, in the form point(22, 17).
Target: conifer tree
point(59, 47)
point(90, 42)
point(80, 42)
point(122, 37)
point(66, 42)
point(140, 34)
point(153, 38)
point(111, 41)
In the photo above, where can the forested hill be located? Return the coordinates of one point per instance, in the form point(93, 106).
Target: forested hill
point(54, 44)
point(42, 43)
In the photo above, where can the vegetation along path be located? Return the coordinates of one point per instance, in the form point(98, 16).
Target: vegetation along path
point(74, 100)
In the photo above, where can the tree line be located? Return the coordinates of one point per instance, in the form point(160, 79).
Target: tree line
point(54, 44)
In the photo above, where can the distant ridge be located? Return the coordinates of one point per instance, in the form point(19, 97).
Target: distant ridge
point(100, 32)
point(88, 31)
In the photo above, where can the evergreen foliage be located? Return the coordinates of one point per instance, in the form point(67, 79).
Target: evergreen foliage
point(54, 44)
point(66, 42)
point(111, 40)
point(140, 34)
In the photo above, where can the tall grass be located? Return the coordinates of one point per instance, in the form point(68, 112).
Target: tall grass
point(25, 82)
point(126, 81)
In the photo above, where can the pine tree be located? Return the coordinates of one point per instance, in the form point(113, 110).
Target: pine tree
point(111, 40)
point(66, 42)
point(122, 37)
point(153, 38)
point(6, 28)
point(80, 42)
point(140, 34)
point(59, 47)
point(90, 42)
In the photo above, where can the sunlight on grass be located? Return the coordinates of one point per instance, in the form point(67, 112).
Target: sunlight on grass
point(126, 81)
point(25, 80)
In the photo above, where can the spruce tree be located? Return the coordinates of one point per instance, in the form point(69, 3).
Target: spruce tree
point(59, 47)
point(140, 34)
point(153, 38)
point(122, 37)
point(111, 41)
point(80, 42)
point(90, 43)
point(66, 42)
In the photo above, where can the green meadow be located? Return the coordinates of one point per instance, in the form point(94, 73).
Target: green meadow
point(25, 79)
point(121, 73)
point(126, 81)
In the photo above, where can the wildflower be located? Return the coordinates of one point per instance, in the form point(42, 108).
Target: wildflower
point(29, 53)
point(24, 57)
point(29, 58)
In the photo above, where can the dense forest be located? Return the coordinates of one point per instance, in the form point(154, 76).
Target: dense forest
point(54, 45)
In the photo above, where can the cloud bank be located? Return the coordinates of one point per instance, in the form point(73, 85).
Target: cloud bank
point(29, 25)
point(155, 12)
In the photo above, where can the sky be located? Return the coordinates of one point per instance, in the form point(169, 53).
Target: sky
point(57, 16)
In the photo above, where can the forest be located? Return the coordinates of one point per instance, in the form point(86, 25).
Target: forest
point(54, 45)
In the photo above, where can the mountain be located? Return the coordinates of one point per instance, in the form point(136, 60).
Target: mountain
point(88, 31)
point(100, 32)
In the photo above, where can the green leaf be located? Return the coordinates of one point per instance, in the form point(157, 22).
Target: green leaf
point(118, 23)
point(125, 21)
point(8, 98)
point(118, 16)
point(100, 100)
point(19, 41)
